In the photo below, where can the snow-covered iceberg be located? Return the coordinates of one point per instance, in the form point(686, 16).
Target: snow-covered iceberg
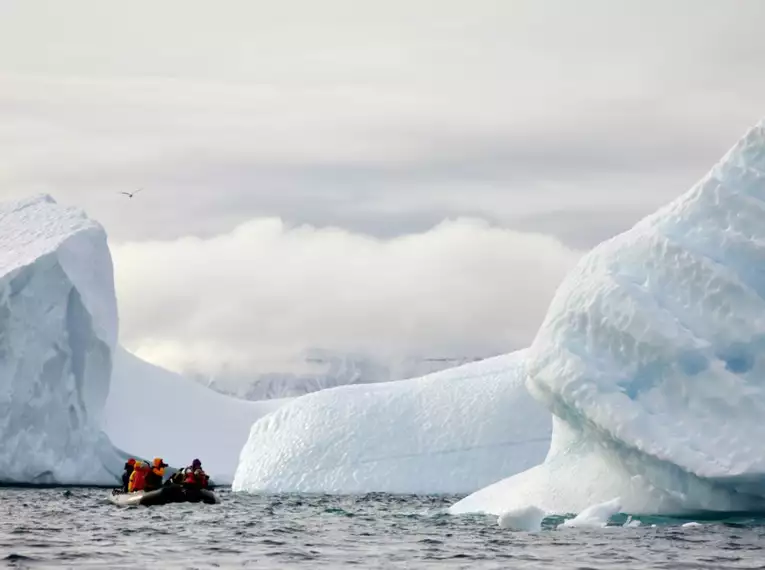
point(652, 360)
point(450, 432)
point(58, 325)
point(68, 392)
point(152, 412)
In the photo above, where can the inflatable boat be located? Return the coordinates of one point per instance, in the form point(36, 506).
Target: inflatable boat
point(163, 496)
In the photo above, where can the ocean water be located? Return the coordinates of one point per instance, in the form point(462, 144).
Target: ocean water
point(77, 528)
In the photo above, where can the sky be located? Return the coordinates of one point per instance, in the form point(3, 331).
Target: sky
point(385, 178)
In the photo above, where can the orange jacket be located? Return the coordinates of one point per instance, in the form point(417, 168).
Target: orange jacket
point(138, 478)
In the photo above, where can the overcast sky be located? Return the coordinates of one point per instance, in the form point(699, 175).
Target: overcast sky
point(358, 175)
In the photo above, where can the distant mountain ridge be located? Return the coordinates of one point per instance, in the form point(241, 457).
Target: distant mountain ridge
point(325, 369)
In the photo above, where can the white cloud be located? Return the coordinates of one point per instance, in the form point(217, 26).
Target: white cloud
point(255, 299)
point(572, 119)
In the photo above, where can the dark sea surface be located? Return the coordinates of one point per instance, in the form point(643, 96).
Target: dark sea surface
point(78, 528)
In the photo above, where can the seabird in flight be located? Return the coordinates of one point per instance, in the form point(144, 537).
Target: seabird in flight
point(131, 194)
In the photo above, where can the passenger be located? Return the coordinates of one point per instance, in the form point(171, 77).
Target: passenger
point(195, 475)
point(178, 477)
point(155, 475)
point(138, 478)
point(126, 475)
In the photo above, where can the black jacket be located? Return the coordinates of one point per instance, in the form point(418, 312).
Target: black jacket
point(126, 476)
point(153, 481)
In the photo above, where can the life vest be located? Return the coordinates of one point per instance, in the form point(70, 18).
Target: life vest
point(138, 479)
point(190, 477)
point(195, 477)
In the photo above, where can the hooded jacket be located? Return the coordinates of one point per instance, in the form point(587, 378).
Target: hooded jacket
point(156, 474)
point(138, 478)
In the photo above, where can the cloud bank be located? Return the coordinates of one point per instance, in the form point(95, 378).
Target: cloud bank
point(255, 299)
point(571, 119)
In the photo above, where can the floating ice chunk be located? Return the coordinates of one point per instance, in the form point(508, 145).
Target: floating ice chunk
point(692, 525)
point(527, 519)
point(596, 516)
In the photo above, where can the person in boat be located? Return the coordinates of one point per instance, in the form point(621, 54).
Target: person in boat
point(138, 477)
point(156, 474)
point(195, 476)
point(177, 478)
point(129, 466)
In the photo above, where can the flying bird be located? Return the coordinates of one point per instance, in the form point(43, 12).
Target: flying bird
point(131, 194)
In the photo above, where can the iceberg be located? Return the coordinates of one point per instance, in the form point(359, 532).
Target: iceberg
point(152, 412)
point(449, 432)
point(68, 391)
point(58, 326)
point(651, 360)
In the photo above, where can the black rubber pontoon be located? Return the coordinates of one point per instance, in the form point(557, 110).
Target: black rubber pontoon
point(177, 494)
point(168, 494)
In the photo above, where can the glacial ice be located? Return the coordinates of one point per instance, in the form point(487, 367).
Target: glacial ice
point(153, 412)
point(449, 432)
point(528, 519)
point(596, 516)
point(651, 360)
point(58, 325)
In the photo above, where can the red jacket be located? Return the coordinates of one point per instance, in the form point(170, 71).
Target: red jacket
point(195, 477)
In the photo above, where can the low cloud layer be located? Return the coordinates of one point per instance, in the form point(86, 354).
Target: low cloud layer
point(254, 300)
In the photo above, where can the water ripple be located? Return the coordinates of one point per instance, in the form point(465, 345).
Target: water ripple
point(77, 528)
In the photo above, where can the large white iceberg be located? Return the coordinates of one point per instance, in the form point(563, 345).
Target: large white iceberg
point(448, 432)
point(152, 412)
point(65, 383)
point(58, 325)
point(651, 359)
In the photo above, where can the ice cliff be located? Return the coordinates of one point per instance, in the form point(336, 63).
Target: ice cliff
point(449, 432)
point(651, 360)
point(58, 326)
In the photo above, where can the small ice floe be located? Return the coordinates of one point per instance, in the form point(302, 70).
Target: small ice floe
point(631, 523)
point(528, 519)
point(596, 516)
point(692, 525)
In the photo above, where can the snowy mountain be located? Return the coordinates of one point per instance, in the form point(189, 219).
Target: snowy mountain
point(652, 360)
point(322, 369)
point(58, 326)
point(449, 432)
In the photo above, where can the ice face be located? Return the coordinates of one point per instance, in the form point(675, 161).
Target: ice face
point(58, 324)
point(651, 358)
point(448, 432)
